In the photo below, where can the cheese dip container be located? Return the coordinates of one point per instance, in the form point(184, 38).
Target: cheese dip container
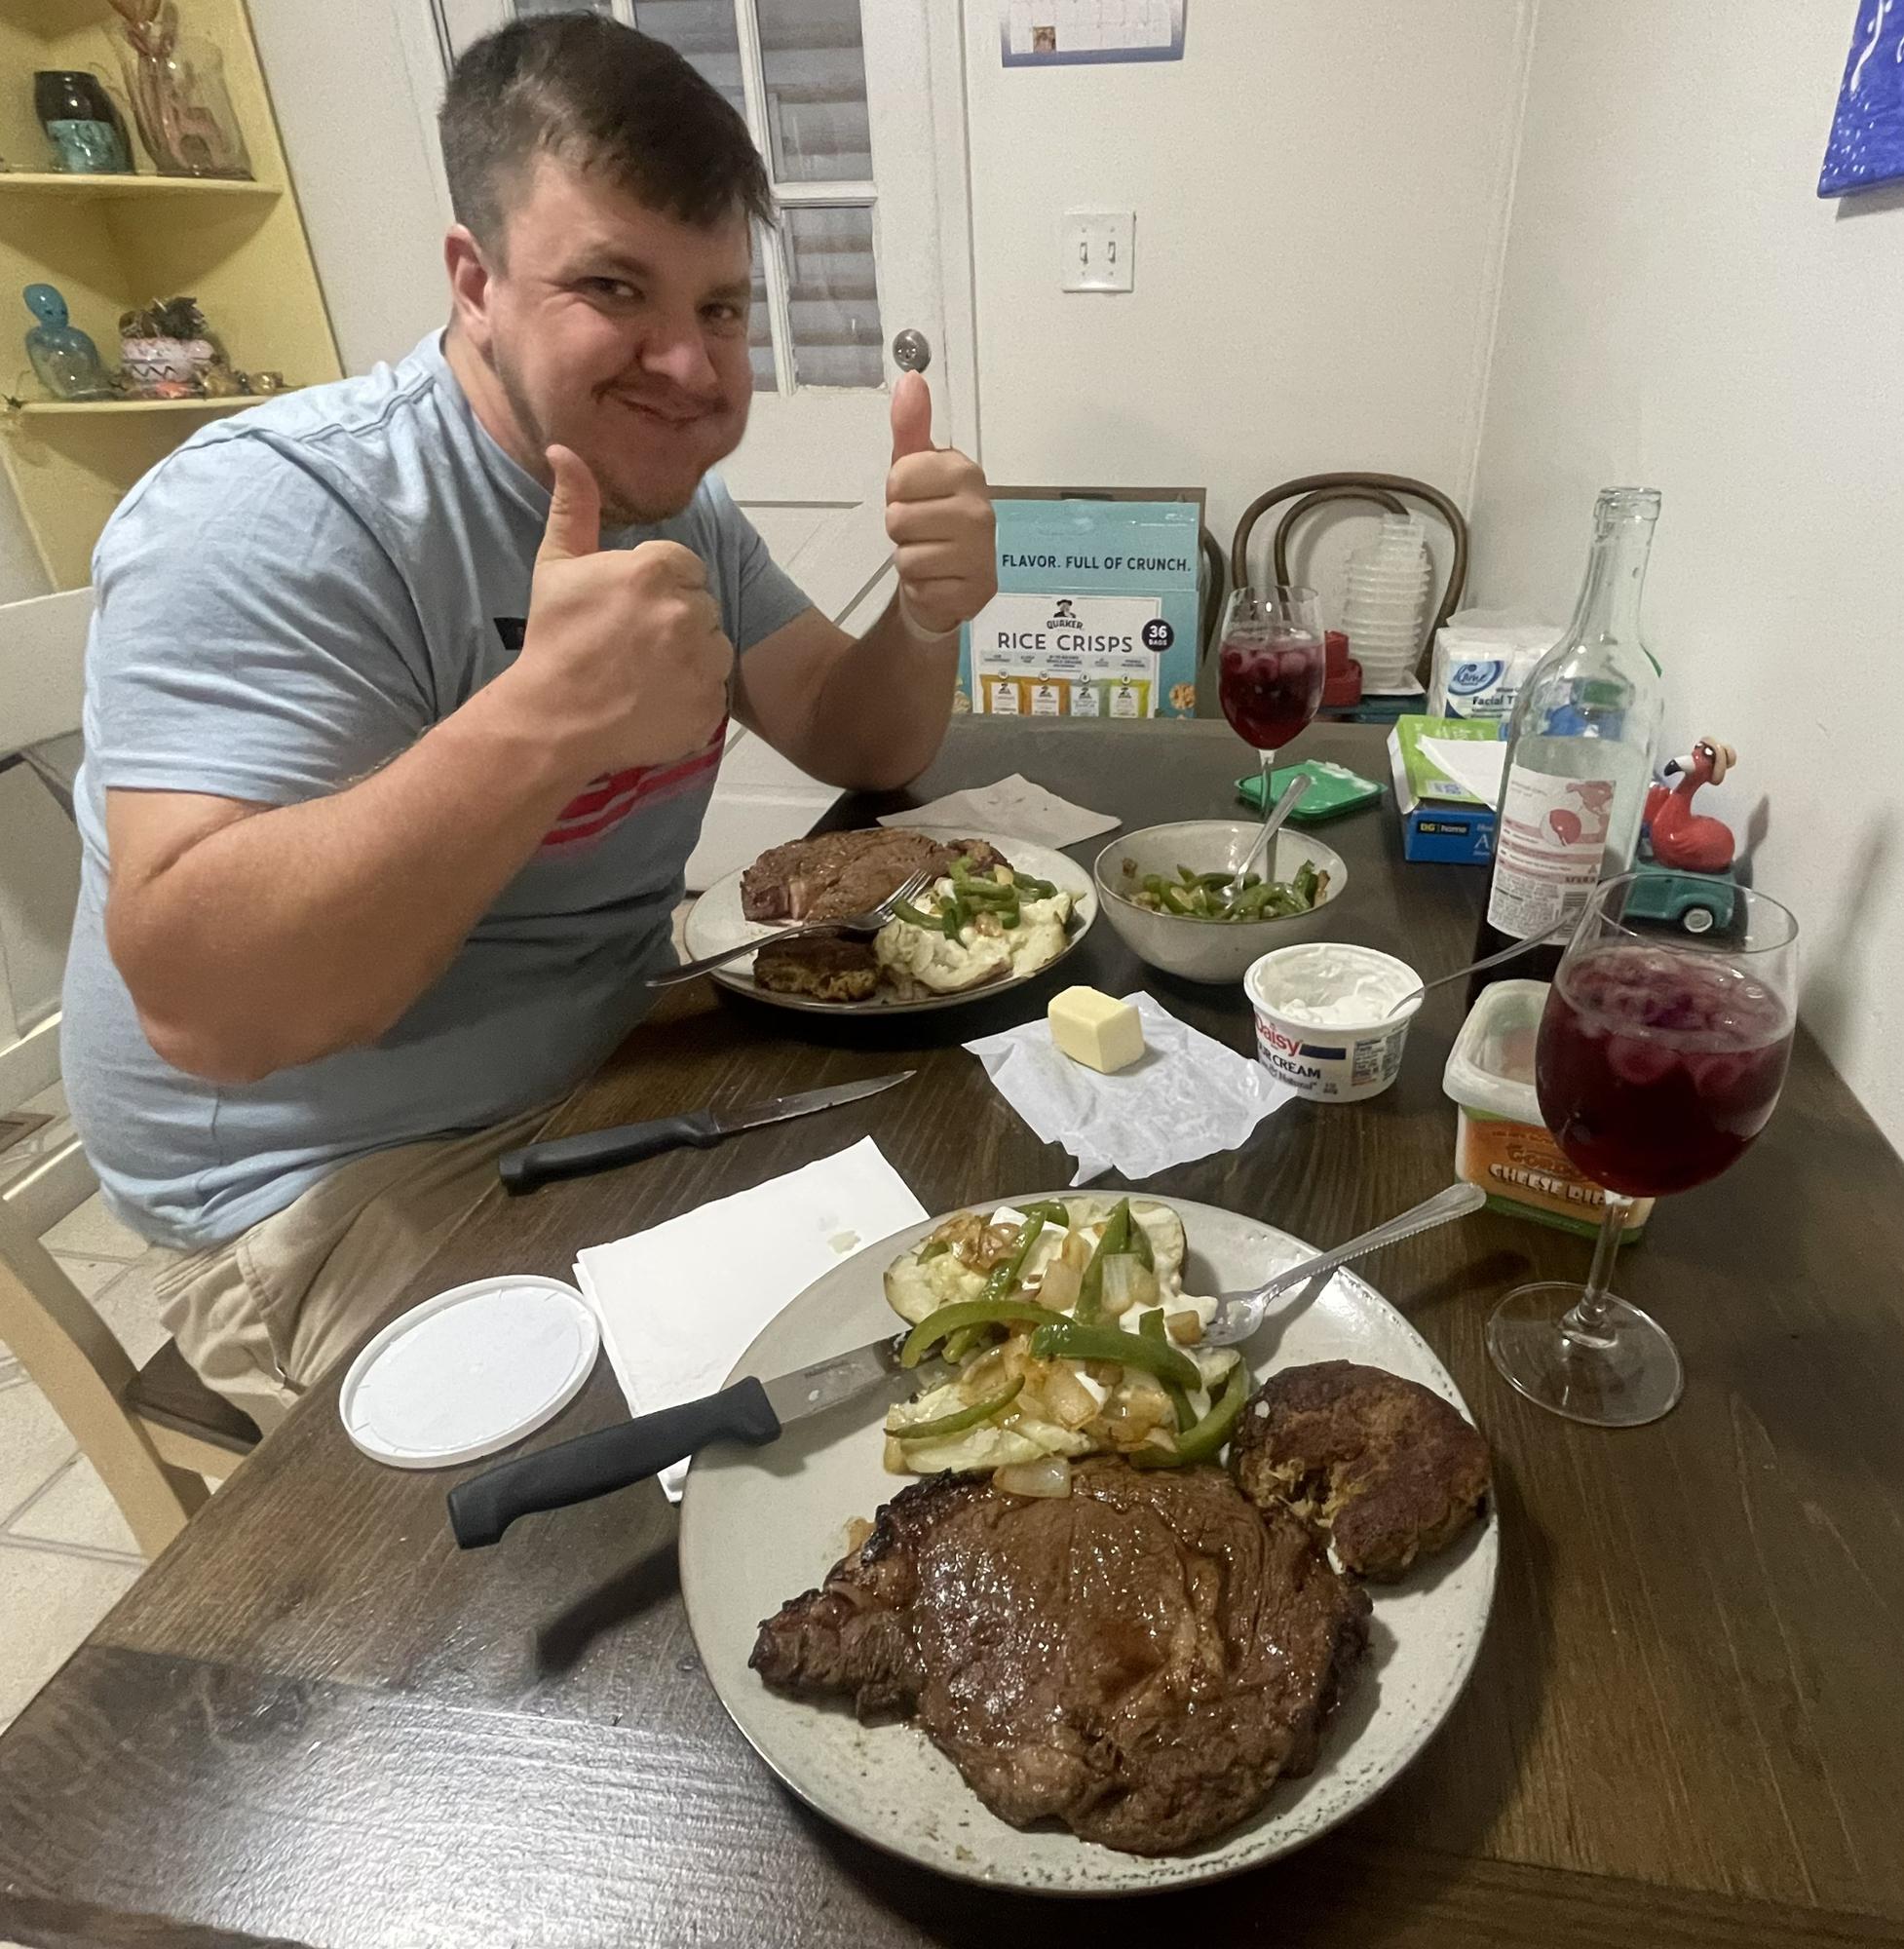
point(1326, 1018)
point(1501, 1141)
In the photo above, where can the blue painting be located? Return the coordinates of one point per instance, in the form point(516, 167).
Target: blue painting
point(1867, 133)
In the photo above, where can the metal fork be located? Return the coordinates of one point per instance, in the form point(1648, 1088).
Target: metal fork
point(869, 922)
point(1238, 1315)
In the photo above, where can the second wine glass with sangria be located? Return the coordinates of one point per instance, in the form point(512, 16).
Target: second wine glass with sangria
point(1271, 664)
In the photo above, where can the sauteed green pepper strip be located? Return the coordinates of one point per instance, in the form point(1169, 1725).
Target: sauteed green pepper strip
point(948, 1320)
point(1138, 1242)
point(1005, 1276)
point(1206, 1439)
point(958, 1345)
point(1068, 1340)
point(975, 892)
point(960, 1417)
point(1112, 1240)
point(1151, 1326)
point(989, 896)
point(916, 916)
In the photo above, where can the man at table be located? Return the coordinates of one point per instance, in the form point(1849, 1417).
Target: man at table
point(405, 700)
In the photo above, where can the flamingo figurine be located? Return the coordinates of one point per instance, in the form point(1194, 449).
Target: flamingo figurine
point(1684, 839)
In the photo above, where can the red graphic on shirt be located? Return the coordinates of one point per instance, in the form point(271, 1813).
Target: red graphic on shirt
point(610, 798)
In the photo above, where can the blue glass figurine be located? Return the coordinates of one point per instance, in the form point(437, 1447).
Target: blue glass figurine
point(66, 362)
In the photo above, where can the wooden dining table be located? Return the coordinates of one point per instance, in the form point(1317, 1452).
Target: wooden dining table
point(315, 1720)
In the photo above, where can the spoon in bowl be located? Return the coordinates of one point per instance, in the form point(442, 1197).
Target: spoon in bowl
point(1272, 824)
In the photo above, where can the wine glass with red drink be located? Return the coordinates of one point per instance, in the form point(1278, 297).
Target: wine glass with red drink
point(1271, 664)
point(1660, 1057)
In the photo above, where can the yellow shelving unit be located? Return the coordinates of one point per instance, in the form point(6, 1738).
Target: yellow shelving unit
point(39, 409)
point(115, 189)
point(110, 242)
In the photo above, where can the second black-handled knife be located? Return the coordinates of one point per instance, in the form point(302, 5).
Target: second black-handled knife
point(628, 1143)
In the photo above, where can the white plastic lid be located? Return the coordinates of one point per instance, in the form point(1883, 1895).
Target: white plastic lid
point(470, 1371)
point(1483, 1071)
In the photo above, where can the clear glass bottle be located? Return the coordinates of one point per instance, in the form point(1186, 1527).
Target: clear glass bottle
point(1579, 752)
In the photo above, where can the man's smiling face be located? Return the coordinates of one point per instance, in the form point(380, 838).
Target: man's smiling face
point(618, 331)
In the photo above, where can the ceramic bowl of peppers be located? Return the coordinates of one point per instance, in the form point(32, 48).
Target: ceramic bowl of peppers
point(1172, 894)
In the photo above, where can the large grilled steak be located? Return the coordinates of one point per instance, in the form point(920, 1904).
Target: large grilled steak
point(839, 873)
point(1139, 1659)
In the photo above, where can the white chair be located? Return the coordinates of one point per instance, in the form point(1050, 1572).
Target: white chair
point(153, 1433)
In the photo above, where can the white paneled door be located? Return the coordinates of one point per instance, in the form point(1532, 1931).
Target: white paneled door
point(859, 111)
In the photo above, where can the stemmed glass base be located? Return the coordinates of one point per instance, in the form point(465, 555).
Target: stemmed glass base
point(1620, 1373)
point(1582, 1353)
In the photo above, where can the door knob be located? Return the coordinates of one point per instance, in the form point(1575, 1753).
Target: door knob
point(911, 353)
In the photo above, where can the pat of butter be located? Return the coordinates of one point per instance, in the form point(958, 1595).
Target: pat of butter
point(1096, 1029)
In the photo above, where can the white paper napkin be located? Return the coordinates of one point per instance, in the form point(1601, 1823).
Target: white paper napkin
point(1014, 807)
point(681, 1304)
point(1189, 1097)
point(1474, 764)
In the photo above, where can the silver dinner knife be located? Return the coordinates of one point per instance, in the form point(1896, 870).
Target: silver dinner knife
point(751, 1410)
point(628, 1143)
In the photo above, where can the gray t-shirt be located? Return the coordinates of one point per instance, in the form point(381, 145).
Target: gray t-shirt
point(284, 603)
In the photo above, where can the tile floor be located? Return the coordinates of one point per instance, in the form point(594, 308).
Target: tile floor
point(66, 1553)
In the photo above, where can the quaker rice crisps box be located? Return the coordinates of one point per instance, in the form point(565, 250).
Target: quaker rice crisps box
point(1096, 614)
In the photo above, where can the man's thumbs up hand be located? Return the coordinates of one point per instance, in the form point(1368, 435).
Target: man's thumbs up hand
point(573, 524)
point(624, 661)
point(939, 514)
point(912, 416)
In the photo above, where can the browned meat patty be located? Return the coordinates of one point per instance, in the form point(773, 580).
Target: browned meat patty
point(828, 967)
point(838, 873)
point(1382, 1465)
point(1140, 1659)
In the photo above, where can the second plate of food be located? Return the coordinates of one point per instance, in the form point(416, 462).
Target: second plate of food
point(1001, 942)
point(966, 1583)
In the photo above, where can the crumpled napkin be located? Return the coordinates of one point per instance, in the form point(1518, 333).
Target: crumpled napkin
point(680, 1303)
point(1014, 807)
point(1189, 1097)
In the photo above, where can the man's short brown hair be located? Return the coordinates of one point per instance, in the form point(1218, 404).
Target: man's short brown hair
point(605, 101)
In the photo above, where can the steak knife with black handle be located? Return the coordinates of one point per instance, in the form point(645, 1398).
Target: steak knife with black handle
point(749, 1411)
point(628, 1143)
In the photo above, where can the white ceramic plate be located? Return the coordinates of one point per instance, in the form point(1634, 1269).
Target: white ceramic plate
point(760, 1526)
point(716, 921)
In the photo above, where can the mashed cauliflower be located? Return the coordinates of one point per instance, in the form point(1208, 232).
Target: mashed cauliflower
point(925, 961)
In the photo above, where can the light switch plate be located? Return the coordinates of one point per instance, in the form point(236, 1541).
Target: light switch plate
point(1097, 249)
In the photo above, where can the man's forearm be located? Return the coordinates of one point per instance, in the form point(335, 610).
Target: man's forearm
point(884, 703)
point(298, 930)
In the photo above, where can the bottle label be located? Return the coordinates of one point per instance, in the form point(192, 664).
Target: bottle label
point(1548, 852)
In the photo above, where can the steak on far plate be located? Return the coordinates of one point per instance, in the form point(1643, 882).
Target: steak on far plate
point(838, 873)
point(1141, 1659)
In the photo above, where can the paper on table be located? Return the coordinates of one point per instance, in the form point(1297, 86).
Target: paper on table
point(1189, 1097)
point(1474, 764)
point(681, 1303)
point(1014, 807)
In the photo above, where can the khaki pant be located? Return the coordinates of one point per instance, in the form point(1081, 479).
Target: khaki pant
point(265, 1315)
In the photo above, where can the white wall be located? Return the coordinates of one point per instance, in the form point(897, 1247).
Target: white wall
point(354, 86)
point(1321, 189)
point(28, 851)
point(1680, 310)
point(20, 572)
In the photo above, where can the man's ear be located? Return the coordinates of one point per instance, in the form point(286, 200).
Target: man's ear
point(469, 282)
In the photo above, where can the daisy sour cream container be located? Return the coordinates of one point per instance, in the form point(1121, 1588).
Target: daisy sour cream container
point(1329, 1017)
